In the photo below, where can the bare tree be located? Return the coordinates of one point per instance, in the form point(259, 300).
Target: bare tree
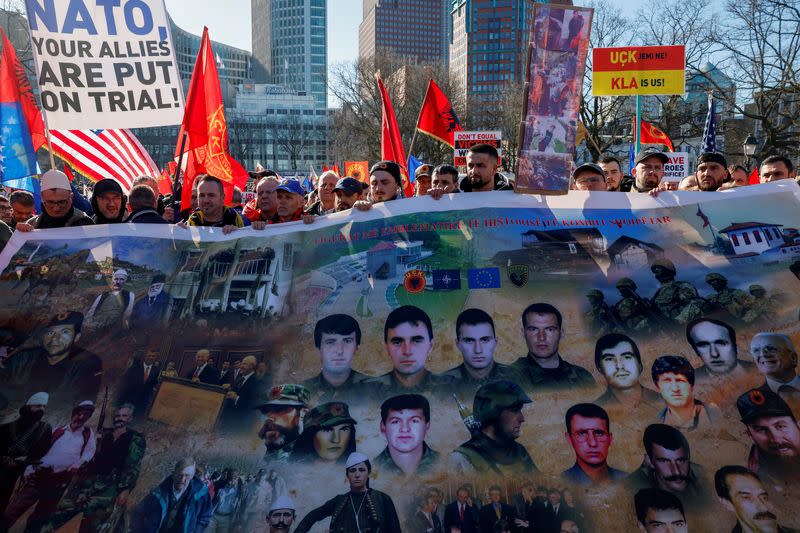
point(694, 25)
point(294, 137)
point(758, 44)
point(607, 119)
point(356, 131)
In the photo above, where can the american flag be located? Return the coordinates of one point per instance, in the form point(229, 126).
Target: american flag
point(99, 154)
point(710, 129)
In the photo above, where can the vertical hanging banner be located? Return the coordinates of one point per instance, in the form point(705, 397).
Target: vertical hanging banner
point(638, 70)
point(559, 43)
point(105, 65)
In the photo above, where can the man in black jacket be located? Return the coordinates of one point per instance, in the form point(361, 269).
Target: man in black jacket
point(203, 372)
point(137, 384)
point(496, 510)
point(482, 175)
point(238, 413)
point(143, 204)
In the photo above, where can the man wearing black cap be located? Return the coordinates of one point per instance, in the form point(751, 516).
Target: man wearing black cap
point(494, 448)
point(56, 366)
point(589, 177)
point(775, 431)
point(385, 182)
point(712, 169)
point(347, 192)
point(422, 180)
point(108, 202)
point(648, 169)
point(482, 175)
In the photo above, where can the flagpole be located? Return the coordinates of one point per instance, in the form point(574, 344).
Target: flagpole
point(176, 181)
point(638, 129)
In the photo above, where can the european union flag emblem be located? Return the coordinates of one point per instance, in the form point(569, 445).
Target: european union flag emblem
point(446, 280)
point(483, 278)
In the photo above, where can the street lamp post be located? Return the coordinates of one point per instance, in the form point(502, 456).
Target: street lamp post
point(749, 147)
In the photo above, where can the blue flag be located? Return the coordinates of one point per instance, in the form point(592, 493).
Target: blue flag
point(631, 158)
point(446, 280)
point(413, 165)
point(483, 278)
point(710, 129)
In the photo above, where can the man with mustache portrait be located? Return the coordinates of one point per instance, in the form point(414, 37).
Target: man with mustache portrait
point(617, 358)
point(284, 410)
point(740, 491)
point(667, 466)
point(281, 515)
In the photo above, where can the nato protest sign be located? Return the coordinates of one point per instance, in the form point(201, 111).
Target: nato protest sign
point(677, 167)
point(638, 70)
point(105, 64)
point(484, 342)
point(462, 140)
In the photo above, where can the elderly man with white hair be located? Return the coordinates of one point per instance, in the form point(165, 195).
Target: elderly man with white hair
point(113, 308)
point(776, 358)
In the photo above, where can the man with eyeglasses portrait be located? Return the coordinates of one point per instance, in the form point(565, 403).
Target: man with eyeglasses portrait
point(57, 205)
point(589, 434)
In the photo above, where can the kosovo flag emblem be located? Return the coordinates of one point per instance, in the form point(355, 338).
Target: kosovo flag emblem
point(518, 274)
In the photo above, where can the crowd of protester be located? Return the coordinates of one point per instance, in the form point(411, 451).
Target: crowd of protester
point(279, 200)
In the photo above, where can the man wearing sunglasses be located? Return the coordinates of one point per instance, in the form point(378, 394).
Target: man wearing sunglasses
point(589, 434)
point(58, 211)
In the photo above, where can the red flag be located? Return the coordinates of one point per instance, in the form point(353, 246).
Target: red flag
point(652, 135)
point(68, 172)
point(437, 117)
point(391, 142)
point(754, 178)
point(206, 148)
point(165, 178)
point(14, 88)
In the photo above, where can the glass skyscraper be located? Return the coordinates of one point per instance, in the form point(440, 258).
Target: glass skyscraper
point(290, 40)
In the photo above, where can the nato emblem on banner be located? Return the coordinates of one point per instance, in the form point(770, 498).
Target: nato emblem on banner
point(446, 280)
point(483, 278)
point(518, 274)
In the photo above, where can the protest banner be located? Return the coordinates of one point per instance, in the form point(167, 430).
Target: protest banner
point(638, 70)
point(105, 65)
point(677, 167)
point(373, 299)
point(559, 42)
point(462, 140)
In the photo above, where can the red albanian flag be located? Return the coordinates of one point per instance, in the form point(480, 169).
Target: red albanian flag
point(391, 142)
point(437, 118)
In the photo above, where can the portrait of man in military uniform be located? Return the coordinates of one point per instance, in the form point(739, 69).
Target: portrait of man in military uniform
point(408, 338)
point(405, 421)
point(112, 309)
point(494, 448)
point(632, 312)
point(57, 366)
point(667, 466)
point(676, 301)
point(477, 342)
point(285, 408)
point(543, 368)
point(337, 337)
point(361, 509)
point(101, 489)
point(732, 302)
point(598, 317)
point(617, 358)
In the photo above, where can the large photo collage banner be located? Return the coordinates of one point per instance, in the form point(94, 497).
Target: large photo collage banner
point(491, 362)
